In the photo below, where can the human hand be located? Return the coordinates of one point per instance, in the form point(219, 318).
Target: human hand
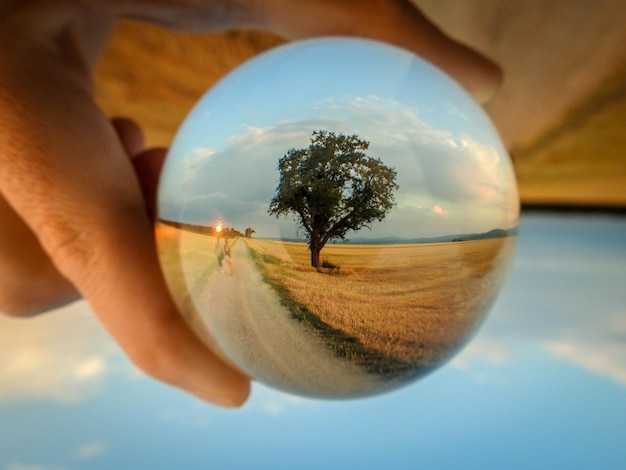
point(76, 223)
point(74, 220)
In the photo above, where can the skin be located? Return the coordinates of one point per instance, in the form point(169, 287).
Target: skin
point(77, 188)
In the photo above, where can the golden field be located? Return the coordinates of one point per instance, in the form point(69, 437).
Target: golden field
point(413, 303)
point(392, 309)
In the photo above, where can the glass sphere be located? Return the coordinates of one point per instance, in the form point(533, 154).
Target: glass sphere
point(336, 217)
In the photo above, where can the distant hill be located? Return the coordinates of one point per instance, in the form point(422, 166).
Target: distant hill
point(495, 233)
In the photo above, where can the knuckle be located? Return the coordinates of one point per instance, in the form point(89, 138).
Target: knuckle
point(66, 244)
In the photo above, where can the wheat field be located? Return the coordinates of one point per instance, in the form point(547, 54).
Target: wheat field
point(394, 309)
point(414, 303)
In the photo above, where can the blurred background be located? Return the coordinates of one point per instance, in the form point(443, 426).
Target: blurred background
point(561, 110)
point(543, 384)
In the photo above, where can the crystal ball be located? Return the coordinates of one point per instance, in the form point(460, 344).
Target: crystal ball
point(336, 217)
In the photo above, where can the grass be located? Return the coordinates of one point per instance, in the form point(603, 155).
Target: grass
point(341, 343)
point(393, 308)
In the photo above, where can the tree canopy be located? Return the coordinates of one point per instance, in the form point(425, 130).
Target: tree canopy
point(331, 187)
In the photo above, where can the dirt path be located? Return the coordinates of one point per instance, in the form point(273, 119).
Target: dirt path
point(259, 333)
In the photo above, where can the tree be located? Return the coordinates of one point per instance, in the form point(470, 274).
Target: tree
point(249, 231)
point(331, 187)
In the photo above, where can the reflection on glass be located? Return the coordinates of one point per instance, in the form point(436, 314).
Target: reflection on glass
point(336, 217)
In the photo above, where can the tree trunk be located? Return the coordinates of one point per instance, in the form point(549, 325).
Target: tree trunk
point(314, 246)
point(315, 256)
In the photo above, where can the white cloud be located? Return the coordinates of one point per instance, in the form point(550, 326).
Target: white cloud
point(606, 356)
point(456, 112)
point(90, 450)
point(201, 154)
point(18, 465)
point(192, 163)
point(273, 407)
point(483, 349)
point(90, 368)
point(273, 402)
point(196, 416)
point(600, 350)
point(60, 356)
point(439, 211)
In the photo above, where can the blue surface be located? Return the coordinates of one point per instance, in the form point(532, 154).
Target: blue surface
point(543, 385)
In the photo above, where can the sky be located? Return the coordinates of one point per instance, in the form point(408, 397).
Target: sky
point(542, 385)
point(454, 176)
